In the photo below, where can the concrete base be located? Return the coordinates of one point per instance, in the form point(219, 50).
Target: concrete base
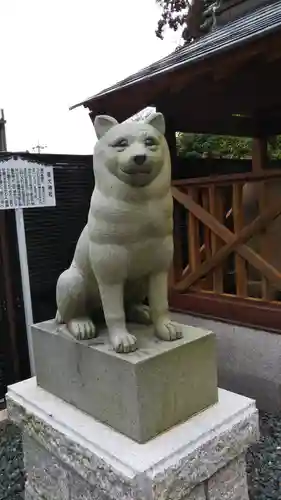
point(3, 415)
point(248, 360)
point(71, 456)
point(140, 394)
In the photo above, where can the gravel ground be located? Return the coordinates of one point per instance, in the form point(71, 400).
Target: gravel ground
point(11, 463)
point(263, 461)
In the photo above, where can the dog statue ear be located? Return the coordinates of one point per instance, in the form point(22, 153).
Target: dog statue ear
point(157, 121)
point(103, 124)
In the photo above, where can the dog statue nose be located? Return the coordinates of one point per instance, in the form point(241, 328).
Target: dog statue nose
point(139, 159)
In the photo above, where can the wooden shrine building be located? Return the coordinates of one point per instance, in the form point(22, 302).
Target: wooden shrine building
point(228, 82)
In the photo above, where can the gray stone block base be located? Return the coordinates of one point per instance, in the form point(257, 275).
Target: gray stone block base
point(71, 456)
point(140, 394)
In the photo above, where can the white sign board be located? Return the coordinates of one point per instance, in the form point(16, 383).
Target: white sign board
point(26, 185)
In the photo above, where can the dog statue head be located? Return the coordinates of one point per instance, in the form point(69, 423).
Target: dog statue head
point(135, 153)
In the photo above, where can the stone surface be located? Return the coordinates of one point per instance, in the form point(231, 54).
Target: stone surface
point(80, 489)
point(28, 495)
point(168, 467)
point(46, 475)
point(197, 493)
point(229, 483)
point(248, 360)
point(3, 416)
point(140, 394)
point(49, 478)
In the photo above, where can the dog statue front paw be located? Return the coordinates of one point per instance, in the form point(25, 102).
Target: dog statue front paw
point(123, 341)
point(82, 328)
point(167, 330)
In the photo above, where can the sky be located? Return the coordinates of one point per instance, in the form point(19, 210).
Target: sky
point(56, 53)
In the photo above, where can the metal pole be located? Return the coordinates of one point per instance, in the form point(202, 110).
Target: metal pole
point(25, 284)
point(3, 141)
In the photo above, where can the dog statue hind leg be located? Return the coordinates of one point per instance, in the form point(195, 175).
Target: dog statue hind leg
point(72, 304)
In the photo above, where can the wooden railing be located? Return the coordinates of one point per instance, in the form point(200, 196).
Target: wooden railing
point(220, 246)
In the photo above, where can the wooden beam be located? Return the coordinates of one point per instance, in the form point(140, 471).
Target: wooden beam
point(223, 252)
point(255, 85)
point(232, 241)
point(217, 125)
point(222, 124)
point(189, 168)
point(246, 312)
point(252, 93)
point(223, 180)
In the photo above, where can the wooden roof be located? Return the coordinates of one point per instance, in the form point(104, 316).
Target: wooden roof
point(232, 9)
point(227, 82)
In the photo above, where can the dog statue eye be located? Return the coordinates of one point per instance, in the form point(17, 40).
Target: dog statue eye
point(150, 141)
point(121, 143)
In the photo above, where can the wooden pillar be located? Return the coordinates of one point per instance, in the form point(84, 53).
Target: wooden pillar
point(238, 221)
point(259, 162)
point(172, 143)
point(259, 154)
point(179, 213)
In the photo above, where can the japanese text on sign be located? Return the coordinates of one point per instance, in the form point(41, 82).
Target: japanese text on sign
point(26, 185)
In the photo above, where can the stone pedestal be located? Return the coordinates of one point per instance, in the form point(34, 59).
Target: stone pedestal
point(71, 456)
point(140, 394)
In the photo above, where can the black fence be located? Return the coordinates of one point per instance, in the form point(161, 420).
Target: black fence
point(51, 235)
point(52, 232)
point(14, 363)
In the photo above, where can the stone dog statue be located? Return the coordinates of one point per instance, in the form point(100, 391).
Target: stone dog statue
point(124, 252)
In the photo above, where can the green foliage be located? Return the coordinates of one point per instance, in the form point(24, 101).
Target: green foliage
point(222, 146)
point(274, 148)
point(194, 17)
